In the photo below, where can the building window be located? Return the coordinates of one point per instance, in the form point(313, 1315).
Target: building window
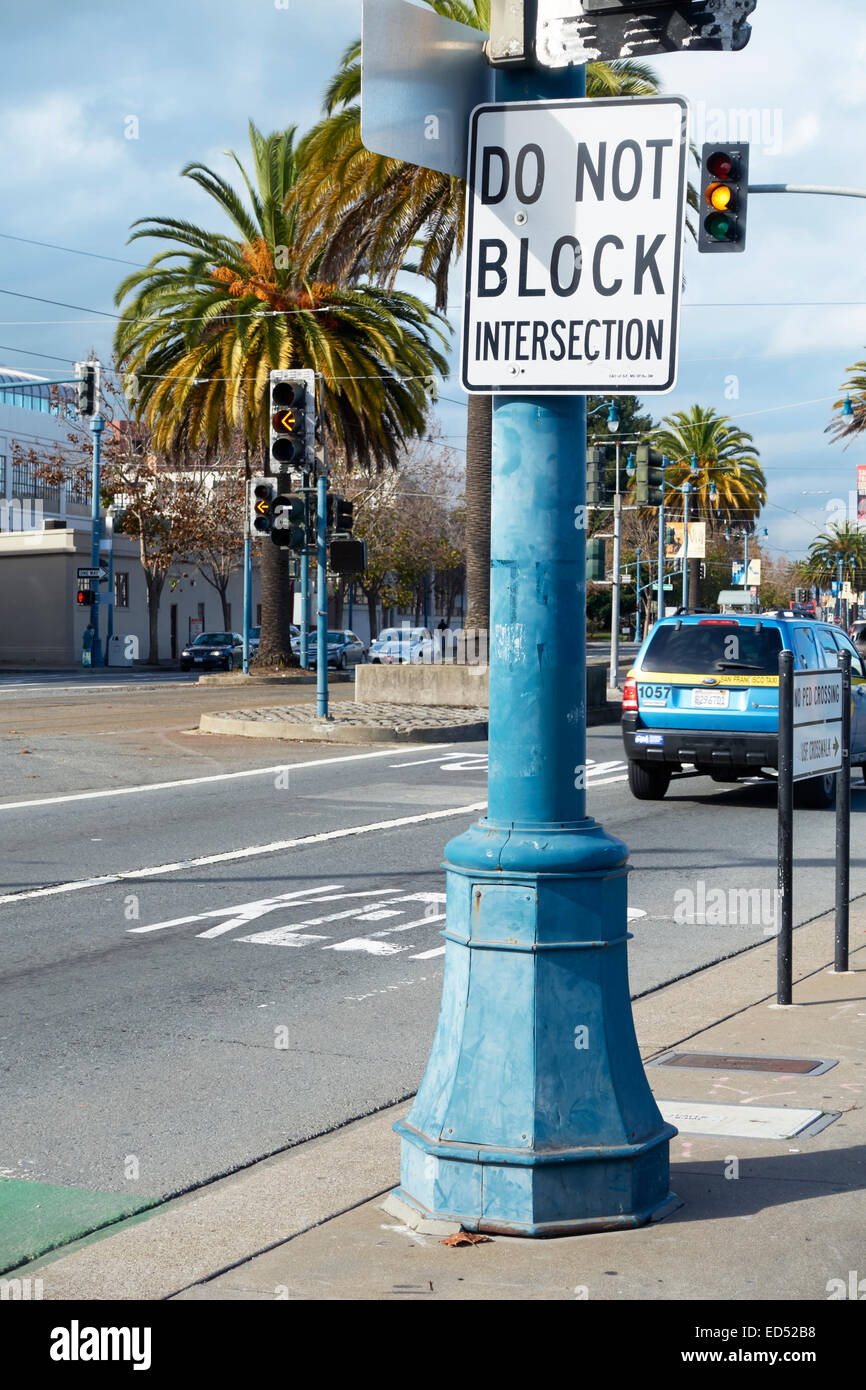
point(121, 589)
point(258, 615)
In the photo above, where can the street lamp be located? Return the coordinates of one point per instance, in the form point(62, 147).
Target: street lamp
point(847, 407)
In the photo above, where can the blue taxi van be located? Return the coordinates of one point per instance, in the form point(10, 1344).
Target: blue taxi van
point(704, 692)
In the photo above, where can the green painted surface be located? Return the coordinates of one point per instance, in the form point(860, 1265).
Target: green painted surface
point(36, 1217)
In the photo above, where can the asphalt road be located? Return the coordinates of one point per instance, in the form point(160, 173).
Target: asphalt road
point(203, 967)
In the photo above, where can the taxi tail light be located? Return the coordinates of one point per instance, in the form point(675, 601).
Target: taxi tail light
point(629, 695)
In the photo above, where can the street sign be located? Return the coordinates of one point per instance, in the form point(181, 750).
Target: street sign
point(92, 572)
point(421, 76)
point(574, 233)
point(817, 723)
point(586, 31)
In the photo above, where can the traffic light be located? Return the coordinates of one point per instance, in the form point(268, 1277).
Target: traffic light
point(85, 598)
point(262, 494)
point(288, 515)
point(348, 557)
point(595, 560)
point(86, 374)
point(649, 477)
point(293, 421)
point(597, 490)
point(340, 513)
point(724, 195)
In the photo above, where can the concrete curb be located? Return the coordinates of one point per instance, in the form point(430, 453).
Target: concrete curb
point(323, 731)
point(235, 678)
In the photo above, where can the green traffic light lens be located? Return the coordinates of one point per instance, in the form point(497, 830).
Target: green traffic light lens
point(719, 227)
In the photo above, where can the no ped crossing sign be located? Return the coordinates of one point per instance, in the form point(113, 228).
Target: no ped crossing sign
point(574, 228)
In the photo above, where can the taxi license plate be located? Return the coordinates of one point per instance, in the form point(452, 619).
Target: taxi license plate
point(711, 699)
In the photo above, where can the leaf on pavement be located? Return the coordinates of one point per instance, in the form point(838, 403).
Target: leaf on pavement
point(464, 1238)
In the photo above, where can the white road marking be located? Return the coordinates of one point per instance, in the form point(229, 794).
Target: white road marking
point(240, 908)
point(634, 913)
point(314, 922)
point(408, 926)
point(281, 936)
point(233, 855)
point(366, 944)
point(428, 955)
point(200, 781)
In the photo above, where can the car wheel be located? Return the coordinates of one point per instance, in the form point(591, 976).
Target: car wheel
point(230, 663)
point(648, 782)
point(816, 793)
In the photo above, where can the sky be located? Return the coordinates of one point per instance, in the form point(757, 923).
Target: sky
point(103, 103)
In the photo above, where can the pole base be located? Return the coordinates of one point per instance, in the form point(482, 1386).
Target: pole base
point(535, 1115)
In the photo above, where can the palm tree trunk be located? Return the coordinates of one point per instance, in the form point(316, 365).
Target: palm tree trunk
point(478, 452)
point(275, 645)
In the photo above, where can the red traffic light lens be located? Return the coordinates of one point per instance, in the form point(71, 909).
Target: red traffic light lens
point(721, 165)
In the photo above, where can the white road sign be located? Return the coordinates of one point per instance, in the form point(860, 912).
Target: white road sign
point(574, 233)
point(817, 723)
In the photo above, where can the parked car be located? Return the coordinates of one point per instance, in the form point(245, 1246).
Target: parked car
point(256, 634)
point(225, 649)
point(705, 692)
point(857, 633)
point(396, 644)
point(344, 649)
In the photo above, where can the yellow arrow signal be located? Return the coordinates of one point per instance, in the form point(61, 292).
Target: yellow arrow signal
point(287, 421)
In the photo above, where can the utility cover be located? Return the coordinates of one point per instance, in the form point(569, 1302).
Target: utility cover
point(742, 1121)
point(726, 1061)
point(574, 234)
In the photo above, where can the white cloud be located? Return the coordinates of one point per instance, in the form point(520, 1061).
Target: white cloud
point(53, 136)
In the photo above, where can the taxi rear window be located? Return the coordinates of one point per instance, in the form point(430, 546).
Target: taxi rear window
point(700, 648)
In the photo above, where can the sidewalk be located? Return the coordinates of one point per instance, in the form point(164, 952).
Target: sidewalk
point(761, 1218)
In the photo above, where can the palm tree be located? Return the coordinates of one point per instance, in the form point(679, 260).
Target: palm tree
point(849, 426)
point(726, 456)
point(207, 320)
point(843, 543)
point(367, 212)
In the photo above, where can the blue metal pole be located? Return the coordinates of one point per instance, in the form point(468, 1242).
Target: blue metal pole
point(660, 612)
point(322, 604)
point(686, 494)
point(637, 628)
point(109, 528)
point(534, 1116)
point(305, 585)
point(97, 425)
point(248, 599)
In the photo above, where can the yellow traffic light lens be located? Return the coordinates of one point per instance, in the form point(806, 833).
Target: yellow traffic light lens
point(719, 196)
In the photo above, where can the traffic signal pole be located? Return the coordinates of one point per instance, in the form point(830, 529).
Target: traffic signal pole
point(613, 674)
point(534, 1116)
point(322, 597)
point(248, 578)
point(305, 590)
point(97, 425)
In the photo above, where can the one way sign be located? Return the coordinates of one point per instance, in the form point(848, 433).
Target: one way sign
point(575, 216)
